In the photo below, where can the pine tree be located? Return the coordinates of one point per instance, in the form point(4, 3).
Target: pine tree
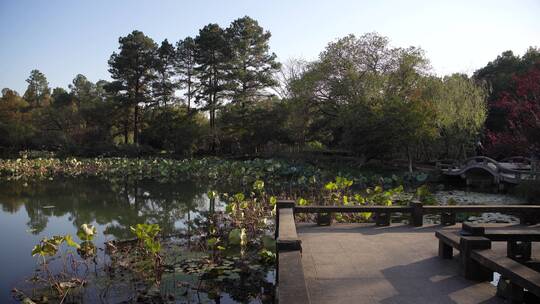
point(212, 57)
point(38, 92)
point(164, 87)
point(133, 71)
point(252, 66)
point(185, 68)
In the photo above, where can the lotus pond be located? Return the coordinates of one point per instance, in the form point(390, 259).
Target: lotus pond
point(168, 231)
point(202, 257)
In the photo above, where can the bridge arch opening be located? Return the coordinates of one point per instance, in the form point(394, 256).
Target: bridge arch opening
point(480, 176)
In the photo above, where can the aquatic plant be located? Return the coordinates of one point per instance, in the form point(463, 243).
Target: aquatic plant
point(223, 245)
point(283, 175)
point(231, 251)
point(147, 236)
point(424, 195)
point(238, 241)
point(63, 281)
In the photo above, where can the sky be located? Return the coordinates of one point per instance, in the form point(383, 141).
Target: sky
point(66, 38)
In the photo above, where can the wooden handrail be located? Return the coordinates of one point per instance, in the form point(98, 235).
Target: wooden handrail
point(291, 283)
point(417, 210)
point(481, 208)
point(350, 209)
point(287, 238)
point(406, 209)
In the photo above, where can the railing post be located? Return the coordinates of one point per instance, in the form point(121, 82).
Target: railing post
point(417, 214)
point(382, 219)
point(528, 218)
point(448, 218)
point(470, 229)
point(285, 204)
point(445, 251)
point(280, 205)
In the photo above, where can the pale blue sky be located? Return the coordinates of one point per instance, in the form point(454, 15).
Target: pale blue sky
point(64, 38)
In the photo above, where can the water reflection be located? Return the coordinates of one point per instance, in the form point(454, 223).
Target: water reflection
point(30, 211)
point(114, 204)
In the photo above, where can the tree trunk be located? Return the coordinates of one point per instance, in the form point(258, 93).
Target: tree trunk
point(136, 126)
point(136, 194)
point(126, 131)
point(213, 129)
point(409, 157)
point(189, 93)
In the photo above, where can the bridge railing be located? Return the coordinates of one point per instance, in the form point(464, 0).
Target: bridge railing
point(446, 163)
point(517, 159)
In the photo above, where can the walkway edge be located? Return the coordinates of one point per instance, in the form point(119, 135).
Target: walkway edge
point(291, 285)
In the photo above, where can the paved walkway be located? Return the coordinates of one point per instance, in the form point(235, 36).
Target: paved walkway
point(361, 263)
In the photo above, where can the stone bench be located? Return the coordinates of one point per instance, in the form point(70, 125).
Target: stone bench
point(448, 240)
point(518, 241)
point(520, 276)
point(478, 261)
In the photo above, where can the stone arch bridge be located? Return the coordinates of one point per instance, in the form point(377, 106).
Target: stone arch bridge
point(513, 170)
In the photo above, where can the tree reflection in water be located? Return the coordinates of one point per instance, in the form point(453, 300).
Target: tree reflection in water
point(115, 204)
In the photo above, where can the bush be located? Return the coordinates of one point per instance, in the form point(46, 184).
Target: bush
point(33, 154)
point(174, 129)
point(529, 190)
point(315, 145)
point(250, 128)
point(131, 151)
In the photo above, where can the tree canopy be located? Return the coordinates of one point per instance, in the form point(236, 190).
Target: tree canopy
point(224, 92)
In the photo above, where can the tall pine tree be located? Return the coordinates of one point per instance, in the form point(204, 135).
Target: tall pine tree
point(38, 93)
point(185, 68)
point(252, 66)
point(133, 71)
point(164, 86)
point(212, 58)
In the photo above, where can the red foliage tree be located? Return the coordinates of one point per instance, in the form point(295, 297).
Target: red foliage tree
point(522, 134)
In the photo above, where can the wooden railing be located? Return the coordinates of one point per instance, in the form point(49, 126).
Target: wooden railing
point(291, 284)
point(526, 213)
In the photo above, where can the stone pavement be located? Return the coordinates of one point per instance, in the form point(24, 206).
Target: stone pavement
point(361, 263)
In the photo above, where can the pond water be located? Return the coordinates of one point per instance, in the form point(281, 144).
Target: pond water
point(32, 211)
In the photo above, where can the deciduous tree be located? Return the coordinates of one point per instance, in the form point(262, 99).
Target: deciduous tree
point(16, 127)
point(523, 111)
